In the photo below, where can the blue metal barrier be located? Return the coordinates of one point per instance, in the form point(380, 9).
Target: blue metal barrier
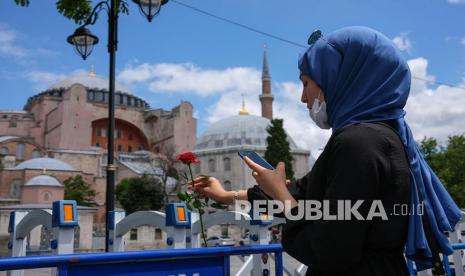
point(455, 246)
point(447, 268)
point(196, 261)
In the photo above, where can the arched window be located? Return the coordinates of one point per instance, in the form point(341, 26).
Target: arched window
point(4, 151)
point(35, 153)
point(20, 151)
point(211, 165)
point(15, 188)
point(46, 196)
point(227, 185)
point(227, 163)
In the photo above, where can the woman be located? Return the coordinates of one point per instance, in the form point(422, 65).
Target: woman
point(357, 83)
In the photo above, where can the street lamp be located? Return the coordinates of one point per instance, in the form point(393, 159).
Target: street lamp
point(83, 41)
point(150, 8)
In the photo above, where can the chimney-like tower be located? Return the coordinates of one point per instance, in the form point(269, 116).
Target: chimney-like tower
point(266, 98)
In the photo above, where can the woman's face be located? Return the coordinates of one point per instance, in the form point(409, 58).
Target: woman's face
point(311, 91)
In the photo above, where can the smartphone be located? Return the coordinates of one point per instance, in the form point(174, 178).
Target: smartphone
point(256, 158)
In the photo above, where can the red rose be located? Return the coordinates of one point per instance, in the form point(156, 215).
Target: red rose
point(187, 158)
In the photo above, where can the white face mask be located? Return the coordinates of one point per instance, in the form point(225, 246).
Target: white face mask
point(318, 114)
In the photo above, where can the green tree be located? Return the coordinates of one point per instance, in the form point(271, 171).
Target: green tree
point(278, 148)
point(448, 162)
point(140, 193)
point(77, 189)
point(76, 10)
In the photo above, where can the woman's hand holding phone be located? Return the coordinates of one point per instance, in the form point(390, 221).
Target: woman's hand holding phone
point(272, 182)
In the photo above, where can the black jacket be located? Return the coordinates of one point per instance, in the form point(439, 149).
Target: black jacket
point(360, 162)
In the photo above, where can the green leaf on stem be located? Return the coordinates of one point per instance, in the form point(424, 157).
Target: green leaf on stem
point(197, 204)
point(182, 196)
point(188, 197)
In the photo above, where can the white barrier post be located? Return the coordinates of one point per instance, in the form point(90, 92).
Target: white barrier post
point(193, 237)
point(64, 220)
point(17, 247)
point(177, 220)
point(457, 256)
point(259, 234)
point(20, 225)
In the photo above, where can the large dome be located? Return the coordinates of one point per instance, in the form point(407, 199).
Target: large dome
point(239, 130)
point(89, 81)
point(44, 163)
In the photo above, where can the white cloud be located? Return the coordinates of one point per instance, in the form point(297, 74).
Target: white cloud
point(11, 46)
point(434, 112)
point(402, 42)
point(189, 78)
point(8, 43)
point(462, 40)
point(456, 1)
point(420, 77)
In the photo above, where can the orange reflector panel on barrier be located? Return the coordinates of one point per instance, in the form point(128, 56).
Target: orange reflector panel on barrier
point(68, 212)
point(181, 214)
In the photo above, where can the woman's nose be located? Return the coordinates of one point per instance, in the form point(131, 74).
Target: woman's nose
point(303, 99)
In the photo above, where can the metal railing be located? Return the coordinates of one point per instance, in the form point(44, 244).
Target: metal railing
point(192, 261)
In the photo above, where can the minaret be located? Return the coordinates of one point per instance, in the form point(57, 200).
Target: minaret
point(266, 98)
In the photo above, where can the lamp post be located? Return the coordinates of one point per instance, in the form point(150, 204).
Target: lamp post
point(83, 41)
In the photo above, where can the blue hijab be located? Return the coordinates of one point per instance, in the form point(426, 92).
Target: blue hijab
point(365, 79)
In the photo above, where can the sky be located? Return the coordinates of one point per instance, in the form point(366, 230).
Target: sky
point(185, 55)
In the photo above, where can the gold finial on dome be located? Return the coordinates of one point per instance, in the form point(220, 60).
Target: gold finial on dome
point(243, 110)
point(92, 72)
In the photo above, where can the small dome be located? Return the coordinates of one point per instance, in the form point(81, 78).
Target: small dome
point(45, 163)
point(89, 81)
point(43, 180)
point(7, 137)
point(239, 130)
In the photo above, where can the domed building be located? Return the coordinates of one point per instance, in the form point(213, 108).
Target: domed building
point(69, 122)
point(217, 148)
point(37, 180)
